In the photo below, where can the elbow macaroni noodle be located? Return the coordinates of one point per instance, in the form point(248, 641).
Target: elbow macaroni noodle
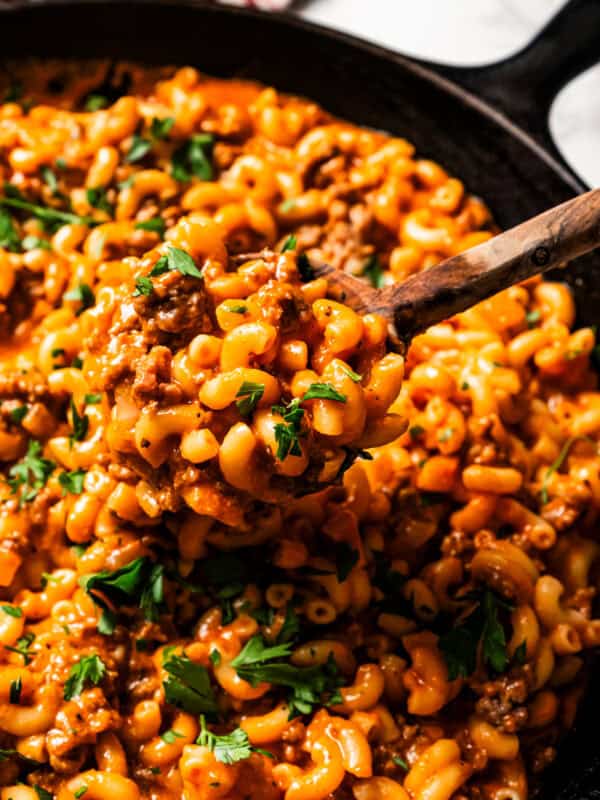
point(204, 455)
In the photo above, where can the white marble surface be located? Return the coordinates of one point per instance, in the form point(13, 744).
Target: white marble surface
point(476, 32)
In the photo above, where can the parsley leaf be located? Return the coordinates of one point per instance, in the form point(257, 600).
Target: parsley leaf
point(14, 691)
point(227, 748)
point(257, 663)
point(305, 268)
point(156, 224)
point(138, 583)
point(153, 593)
point(72, 482)
point(175, 260)
point(143, 286)
point(346, 558)
point(289, 244)
point(171, 736)
point(90, 669)
point(255, 651)
point(35, 243)
point(287, 433)
point(354, 376)
point(31, 472)
point(22, 647)
point(9, 238)
point(51, 215)
point(188, 686)
point(323, 391)
point(95, 102)
point(520, 655)
point(49, 178)
point(96, 197)
point(138, 149)
point(180, 261)
point(80, 424)
point(18, 414)
point(194, 158)
point(12, 611)
point(81, 294)
point(161, 128)
point(557, 464)
point(373, 271)
point(482, 628)
point(251, 394)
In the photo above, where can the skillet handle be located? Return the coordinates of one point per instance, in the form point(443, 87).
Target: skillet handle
point(524, 85)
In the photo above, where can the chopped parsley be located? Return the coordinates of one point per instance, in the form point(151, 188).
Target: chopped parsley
point(230, 747)
point(12, 611)
point(171, 736)
point(161, 128)
point(138, 149)
point(373, 271)
point(532, 318)
point(156, 225)
point(354, 376)
point(311, 686)
point(250, 394)
point(14, 691)
point(215, 657)
point(188, 686)
point(238, 308)
point(21, 647)
point(480, 629)
point(400, 762)
point(97, 198)
point(194, 159)
point(290, 244)
point(9, 239)
point(72, 482)
point(18, 414)
point(92, 399)
point(88, 670)
point(415, 431)
point(80, 424)
point(557, 464)
point(95, 102)
point(138, 583)
point(49, 178)
point(43, 794)
point(35, 243)
point(520, 655)
point(81, 791)
point(287, 433)
point(49, 215)
point(176, 260)
point(305, 268)
point(81, 294)
point(346, 558)
point(31, 473)
point(143, 286)
point(323, 391)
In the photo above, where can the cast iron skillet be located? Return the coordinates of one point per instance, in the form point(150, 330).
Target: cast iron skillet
point(518, 173)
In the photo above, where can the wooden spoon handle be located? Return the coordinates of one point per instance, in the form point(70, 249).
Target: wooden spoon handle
point(546, 241)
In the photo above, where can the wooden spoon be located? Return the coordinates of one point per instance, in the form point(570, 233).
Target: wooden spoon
point(548, 240)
